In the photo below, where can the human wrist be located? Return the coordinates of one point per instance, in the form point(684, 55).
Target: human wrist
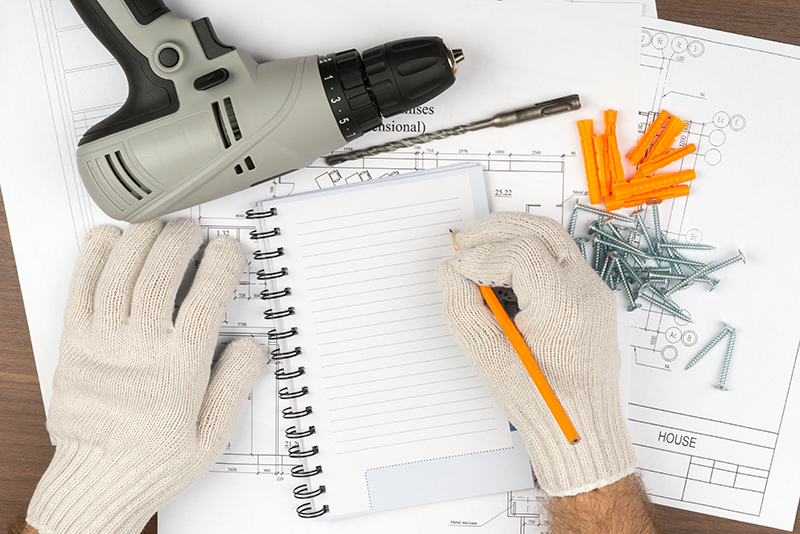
point(19, 525)
point(621, 508)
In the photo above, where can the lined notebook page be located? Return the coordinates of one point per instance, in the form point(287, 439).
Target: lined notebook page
point(389, 385)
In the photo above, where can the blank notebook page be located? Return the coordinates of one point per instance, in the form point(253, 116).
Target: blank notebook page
point(388, 383)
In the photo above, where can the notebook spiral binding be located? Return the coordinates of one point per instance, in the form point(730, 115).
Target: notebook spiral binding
point(283, 375)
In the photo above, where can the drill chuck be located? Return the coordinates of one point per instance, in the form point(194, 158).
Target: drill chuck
point(385, 80)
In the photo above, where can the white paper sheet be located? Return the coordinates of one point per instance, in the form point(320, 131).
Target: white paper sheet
point(648, 6)
point(730, 453)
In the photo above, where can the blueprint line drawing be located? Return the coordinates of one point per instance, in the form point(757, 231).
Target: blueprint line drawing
point(738, 476)
point(527, 506)
point(698, 448)
point(69, 74)
point(535, 183)
point(658, 337)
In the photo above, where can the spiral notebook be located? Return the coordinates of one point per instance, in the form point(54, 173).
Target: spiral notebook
point(381, 407)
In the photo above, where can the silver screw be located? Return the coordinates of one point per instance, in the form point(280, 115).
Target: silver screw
point(602, 213)
point(654, 276)
point(638, 261)
point(599, 253)
point(673, 253)
point(635, 276)
point(615, 231)
point(633, 232)
point(634, 305)
point(640, 223)
point(687, 246)
point(657, 226)
point(605, 271)
point(613, 228)
point(665, 304)
point(573, 221)
point(730, 261)
point(727, 363)
point(693, 278)
point(710, 268)
point(612, 242)
point(581, 242)
point(727, 330)
point(679, 261)
point(660, 294)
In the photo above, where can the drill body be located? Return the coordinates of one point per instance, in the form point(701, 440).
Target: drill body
point(203, 120)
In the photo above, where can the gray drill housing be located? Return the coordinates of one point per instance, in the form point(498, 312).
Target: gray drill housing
point(221, 121)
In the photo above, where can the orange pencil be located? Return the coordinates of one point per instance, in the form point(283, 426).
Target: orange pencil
point(524, 353)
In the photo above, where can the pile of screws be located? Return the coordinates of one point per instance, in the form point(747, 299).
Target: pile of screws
point(653, 273)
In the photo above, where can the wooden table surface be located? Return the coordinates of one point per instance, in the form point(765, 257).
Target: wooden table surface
point(25, 448)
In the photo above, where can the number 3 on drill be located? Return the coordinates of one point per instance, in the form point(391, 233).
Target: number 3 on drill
point(335, 100)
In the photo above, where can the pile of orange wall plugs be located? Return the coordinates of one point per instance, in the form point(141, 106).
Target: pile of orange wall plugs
point(603, 163)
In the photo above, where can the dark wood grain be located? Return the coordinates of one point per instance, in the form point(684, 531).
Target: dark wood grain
point(25, 448)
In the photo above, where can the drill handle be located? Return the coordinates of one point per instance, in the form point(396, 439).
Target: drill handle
point(149, 95)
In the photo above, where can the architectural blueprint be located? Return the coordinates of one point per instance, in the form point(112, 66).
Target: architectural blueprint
point(74, 83)
point(728, 453)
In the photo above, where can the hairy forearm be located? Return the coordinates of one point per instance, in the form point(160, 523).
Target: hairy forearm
point(20, 526)
point(619, 508)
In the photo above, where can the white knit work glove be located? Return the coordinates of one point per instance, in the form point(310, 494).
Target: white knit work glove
point(137, 413)
point(567, 317)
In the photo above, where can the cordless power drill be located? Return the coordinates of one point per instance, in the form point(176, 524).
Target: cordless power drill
point(203, 120)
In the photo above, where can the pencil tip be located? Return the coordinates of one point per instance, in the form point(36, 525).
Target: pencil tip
point(453, 238)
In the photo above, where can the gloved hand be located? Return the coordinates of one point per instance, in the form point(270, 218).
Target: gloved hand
point(136, 412)
point(567, 317)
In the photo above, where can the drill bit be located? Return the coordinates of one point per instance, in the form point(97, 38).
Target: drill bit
point(501, 120)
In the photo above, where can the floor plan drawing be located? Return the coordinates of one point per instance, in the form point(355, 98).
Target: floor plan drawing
point(528, 507)
point(669, 63)
point(720, 452)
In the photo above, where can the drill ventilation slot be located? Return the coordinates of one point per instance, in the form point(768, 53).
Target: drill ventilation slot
point(125, 176)
point(248, 161)
point(114, 176)
point(223, 133)
point(237, 133)
point(232, 122)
